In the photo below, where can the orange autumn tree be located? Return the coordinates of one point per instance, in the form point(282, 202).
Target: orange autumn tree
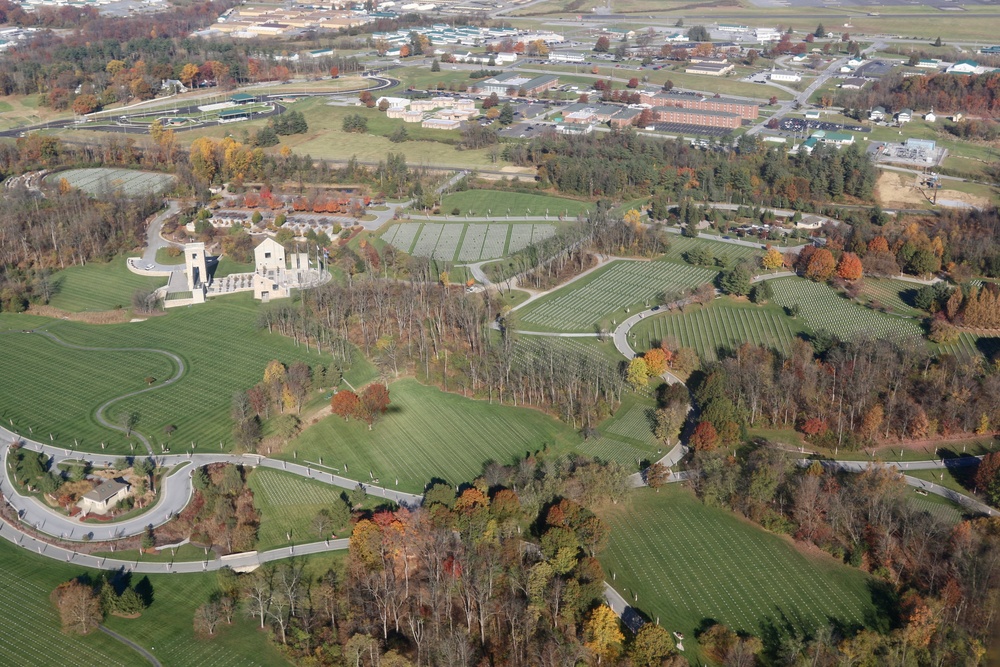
point(345, 404)
point(821, 265)
point(704, 438)
point(656, 361)
point(849, 267)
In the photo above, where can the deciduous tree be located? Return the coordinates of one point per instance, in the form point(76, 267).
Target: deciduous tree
point(345, 404)
point(603, 633)
point(849, 266)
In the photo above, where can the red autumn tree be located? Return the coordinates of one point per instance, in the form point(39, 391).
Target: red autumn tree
point(849, 267)
point(334, 72)
point(704, 438)
point(374, 403)
point(813, 426)
point(821, 265)
point(345, 404)
point(632, 83)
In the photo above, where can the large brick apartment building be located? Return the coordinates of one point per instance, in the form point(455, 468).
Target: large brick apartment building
point(741, 108)
point(704, 117)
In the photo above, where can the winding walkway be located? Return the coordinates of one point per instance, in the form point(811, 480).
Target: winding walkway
point(99, 413)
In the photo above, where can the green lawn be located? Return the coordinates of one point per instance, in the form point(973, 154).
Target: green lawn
point(327, 139)
point(163, 257)
point(499, 203)
point(957, 479)
point(99, 286)
point(428, 433)
point(58, 389)
point(823, 308)
point(32, 635)
point(688, 562)
point(897, 295)
point(722, 325)
point(940, 508)
point(627, 437)
point(602, 297)
point(31, 623)
point(287, 504)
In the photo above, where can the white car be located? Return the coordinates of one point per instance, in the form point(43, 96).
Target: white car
point(150, 267)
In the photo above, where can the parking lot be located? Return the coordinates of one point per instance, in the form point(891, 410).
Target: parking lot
point(801, 125)
point(682, 129)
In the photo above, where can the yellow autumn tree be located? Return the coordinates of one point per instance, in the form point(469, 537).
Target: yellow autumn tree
point(772, 259)
point(603, 634)
point(188, 74)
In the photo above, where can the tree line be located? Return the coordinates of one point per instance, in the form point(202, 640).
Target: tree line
point(844, 394)
point(622, 163)
point(501, 571)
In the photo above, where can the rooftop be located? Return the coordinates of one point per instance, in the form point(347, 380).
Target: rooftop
point(105, 490)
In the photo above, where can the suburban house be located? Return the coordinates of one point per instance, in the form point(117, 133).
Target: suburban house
point(904, 116)
point(877, 114)
point(853, 83)
point(103, 498)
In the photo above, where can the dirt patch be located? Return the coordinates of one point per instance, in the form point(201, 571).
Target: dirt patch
point(897, 190)
point(102, 317)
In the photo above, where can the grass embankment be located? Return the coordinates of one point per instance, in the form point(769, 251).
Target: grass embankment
point(99, 286)
point(690, 564)
point(429, 434)
point(59, 389)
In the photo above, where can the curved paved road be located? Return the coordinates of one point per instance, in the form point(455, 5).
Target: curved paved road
point(174, 493)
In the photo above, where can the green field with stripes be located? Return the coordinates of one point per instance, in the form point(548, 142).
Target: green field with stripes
point(287, 504)
point(896, 295)
point(465, 242)
point(583, 304)
point(688, 562)
point(99, 286)
point(429, 434)
point(627, 437)
point(720, 326)
point(727, 253)
point(820, 307)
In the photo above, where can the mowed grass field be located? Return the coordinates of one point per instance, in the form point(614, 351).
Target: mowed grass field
point(287, 504)
point(894, 294)
point(499, 203)
point(627, 437)
point(429, 434)
point(720, 326)
point(49, 389)
point(727, 253)
point(583, 304)
point(688, 562)
point(130, 182)
point(461, 242)
point(823, 308)
point(99, 286)
point(326, 138)
point(56, 389)
point(31, 623)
